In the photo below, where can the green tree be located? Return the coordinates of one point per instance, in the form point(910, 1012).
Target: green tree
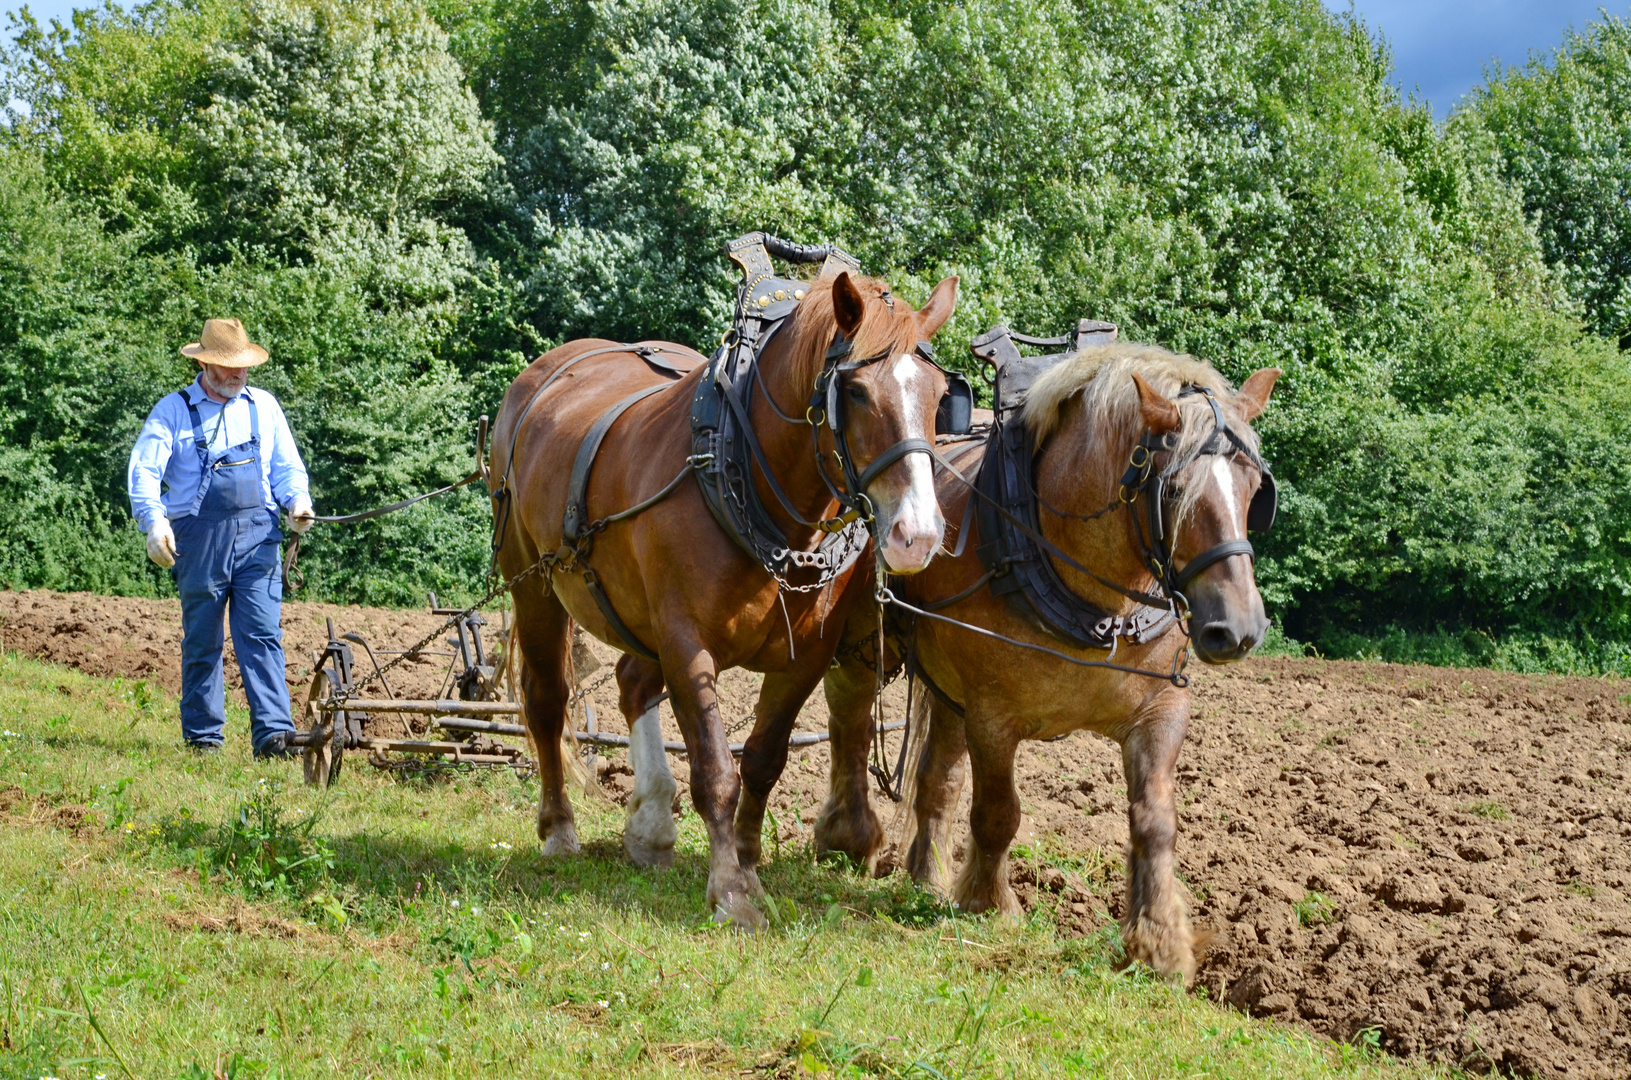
point(1562, 124)
point(315, 155)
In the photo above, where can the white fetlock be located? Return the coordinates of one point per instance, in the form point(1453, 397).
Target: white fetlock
point(649, 833)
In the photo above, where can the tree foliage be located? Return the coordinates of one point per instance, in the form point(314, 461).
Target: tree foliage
point(404, 203)
point(1562, 124)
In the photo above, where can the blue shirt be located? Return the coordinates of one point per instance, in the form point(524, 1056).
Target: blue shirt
point(164, 471)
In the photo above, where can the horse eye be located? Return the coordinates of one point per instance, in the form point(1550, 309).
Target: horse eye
point(856, 393)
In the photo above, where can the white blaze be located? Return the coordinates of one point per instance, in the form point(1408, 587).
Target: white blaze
point(915, 528)
point(1225, 476)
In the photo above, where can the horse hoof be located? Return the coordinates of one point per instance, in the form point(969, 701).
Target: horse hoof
point(738, 912)
point(755, 890)
point(563, 841)
point(644, 855)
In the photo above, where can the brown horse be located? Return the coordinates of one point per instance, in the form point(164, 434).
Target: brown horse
point(1085, 416)
point(674, 579)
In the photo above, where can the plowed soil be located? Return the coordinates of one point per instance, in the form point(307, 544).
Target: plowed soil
point(1435, 860)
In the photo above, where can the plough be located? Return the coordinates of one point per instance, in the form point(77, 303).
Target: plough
point(472, 708)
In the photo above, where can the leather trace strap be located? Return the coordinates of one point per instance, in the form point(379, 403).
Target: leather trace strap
point(577, 499)
point(577, 534)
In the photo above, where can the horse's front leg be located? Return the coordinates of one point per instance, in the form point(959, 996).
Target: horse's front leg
point(648, 832)
point(939, 783)
point(993, 818)
point(1156, 931)
point(764, 755)
point(541, 630)
point(692, 675)
point(846, 823)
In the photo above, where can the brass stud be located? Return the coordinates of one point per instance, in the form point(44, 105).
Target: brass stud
point(798, 294)
point(781, 294)
point(764, 301)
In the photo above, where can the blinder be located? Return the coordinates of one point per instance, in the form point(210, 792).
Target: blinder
point(955, 413)
point(1264, 505)
point(1143, 479)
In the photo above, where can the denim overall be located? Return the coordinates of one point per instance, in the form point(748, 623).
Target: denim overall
point(227, 550)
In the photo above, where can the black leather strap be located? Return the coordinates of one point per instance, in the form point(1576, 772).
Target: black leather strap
point(889, 457)
point(759, 458)
point(592, 581)
point(577, 509)
point(1216, 554)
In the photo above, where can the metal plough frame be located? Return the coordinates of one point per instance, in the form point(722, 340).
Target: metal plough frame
point(476, 700)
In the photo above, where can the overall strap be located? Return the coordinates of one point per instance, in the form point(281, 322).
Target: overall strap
point(577, 514)
point(199, 439)
point(254, 417)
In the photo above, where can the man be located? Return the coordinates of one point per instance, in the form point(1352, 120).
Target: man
point(210, 469)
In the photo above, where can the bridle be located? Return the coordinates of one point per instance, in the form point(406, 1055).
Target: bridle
point(1143, 480)
point(826, 409)
point(726, 447)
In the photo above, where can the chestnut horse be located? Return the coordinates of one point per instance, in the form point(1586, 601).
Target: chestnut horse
point(675, 580)
point(1085, 417)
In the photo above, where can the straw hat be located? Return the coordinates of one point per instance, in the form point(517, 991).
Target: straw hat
point(225, 344)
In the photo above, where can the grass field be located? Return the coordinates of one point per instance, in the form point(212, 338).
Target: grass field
point(170, 916)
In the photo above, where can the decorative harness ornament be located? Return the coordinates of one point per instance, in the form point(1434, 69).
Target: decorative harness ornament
point(725, 448)
point(1018, 559)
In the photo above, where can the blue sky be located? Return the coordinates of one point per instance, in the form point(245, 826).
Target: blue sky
point(1440, 47)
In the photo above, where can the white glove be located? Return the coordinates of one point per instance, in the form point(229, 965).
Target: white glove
point(161, 543)
point(302, 516)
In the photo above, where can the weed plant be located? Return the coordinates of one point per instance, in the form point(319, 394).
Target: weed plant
point(169, 916)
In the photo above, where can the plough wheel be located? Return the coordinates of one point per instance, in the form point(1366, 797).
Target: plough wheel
point(326, 753)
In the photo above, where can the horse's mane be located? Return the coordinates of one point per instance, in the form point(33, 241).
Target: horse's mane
point(882, 330)
point(1102, 376)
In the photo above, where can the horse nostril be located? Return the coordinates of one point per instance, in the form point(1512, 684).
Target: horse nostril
point(1217, 639)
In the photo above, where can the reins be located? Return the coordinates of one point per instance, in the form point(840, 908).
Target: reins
point(1140, 480)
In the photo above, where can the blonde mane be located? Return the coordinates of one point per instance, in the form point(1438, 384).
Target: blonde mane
point(1100, 377)
point(883, 329)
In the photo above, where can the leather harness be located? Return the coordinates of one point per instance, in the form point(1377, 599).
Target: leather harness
point(1019, 560)
point(725, 448)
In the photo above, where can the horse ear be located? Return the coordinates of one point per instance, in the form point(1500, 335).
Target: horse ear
point(847, 305)
point(939, 308)
point(1160, 415)
point(1253, 395)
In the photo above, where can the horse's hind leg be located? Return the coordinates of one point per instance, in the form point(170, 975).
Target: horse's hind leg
point(542, 630)
point(764, 756)
point(939, 783)
point(1156, 931)
point(649, 832)
point(847, 823)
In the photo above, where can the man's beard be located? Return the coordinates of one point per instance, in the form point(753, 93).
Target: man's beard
point(229, 392)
